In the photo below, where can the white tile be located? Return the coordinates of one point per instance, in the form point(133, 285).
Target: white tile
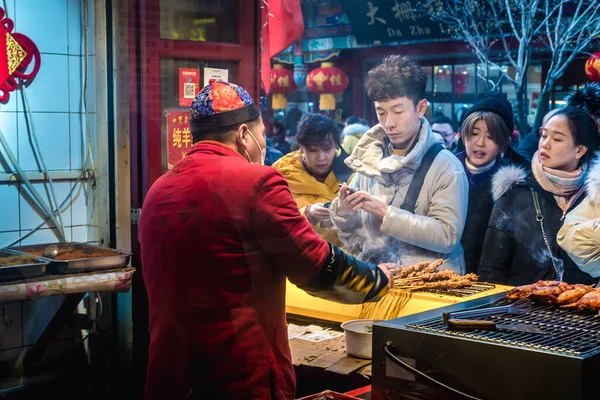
point(9, 207)
point(44, 23)
point(77, 84)
point(52, 131)
point(75, 26)
point(36, 316)
point(91, 28)
point(11, 328)
point(94, 134)
point(79, 205)
point(8, 126)
point(10, 9)
point(8, 238)
point(49, 91)
point(32, 216)
point(13, 103)
point(80, 234)
point(44, 236)
point(76, 129)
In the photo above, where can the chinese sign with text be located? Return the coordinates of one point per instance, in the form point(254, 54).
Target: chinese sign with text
point(392, 21)
point(179, 136)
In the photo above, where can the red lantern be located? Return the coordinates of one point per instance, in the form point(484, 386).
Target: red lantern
point(592, 67)
point(327, 81)
point(282, 83)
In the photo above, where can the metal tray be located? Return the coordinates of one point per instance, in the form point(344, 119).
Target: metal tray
point(120, 259)
point(23, 271)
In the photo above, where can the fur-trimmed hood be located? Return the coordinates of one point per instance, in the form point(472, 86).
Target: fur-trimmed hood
point(592, 182)
point(505, 179)
point(355, 130)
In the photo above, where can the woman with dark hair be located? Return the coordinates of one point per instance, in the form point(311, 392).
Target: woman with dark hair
point(521, 241)
point(486, 132)
point(315, 171)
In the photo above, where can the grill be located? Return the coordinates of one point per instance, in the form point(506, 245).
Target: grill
point(561, 362)
point(564, 331)
point(475, 288)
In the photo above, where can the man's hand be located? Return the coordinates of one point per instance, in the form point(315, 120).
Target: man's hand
point(317, 213)
point(387, 273)
point(369, 204)
point(347, 201)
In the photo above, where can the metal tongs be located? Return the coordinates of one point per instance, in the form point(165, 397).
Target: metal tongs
point(521, 306)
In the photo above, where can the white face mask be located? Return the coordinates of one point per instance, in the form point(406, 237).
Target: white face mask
point(263, 152)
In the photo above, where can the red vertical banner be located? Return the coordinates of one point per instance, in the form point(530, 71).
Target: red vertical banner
point(179, 136)
point(189, 85)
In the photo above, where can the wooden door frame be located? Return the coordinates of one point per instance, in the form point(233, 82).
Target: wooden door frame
point(153, 49)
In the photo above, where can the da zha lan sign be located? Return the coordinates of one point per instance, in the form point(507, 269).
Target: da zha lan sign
point(392, 21)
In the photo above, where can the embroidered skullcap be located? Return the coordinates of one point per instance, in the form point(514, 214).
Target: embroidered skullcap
point(221, 105)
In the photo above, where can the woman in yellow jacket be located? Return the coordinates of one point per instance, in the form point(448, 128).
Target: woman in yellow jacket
point(315, 171)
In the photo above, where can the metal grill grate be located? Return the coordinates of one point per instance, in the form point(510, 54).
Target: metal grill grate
point(475, 288)
point(565, 332)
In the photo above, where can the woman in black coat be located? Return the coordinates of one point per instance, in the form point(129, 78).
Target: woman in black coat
point(486, 131)
point(520, 244)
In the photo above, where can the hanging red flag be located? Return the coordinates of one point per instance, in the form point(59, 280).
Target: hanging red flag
point(282, 25)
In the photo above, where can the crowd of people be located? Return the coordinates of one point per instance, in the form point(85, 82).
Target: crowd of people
point(221, 231)
point(513, 213)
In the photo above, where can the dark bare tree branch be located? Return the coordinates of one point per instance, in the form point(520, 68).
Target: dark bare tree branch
point(564, 28)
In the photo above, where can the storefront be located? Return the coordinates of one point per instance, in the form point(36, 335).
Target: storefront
point(348, 37)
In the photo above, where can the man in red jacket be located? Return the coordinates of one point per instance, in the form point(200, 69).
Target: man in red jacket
point(219, 234)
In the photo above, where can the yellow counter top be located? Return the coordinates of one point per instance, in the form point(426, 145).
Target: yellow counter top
point(301, 303)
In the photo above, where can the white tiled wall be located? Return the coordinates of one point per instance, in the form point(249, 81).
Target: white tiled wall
point(56, 100)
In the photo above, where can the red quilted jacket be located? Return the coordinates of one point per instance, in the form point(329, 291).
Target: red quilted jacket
point(218, 238)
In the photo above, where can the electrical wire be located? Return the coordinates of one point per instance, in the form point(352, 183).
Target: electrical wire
point(38, 152)
point(62, 205)
point(86, 141)
point(401, 363)
point(30, 187)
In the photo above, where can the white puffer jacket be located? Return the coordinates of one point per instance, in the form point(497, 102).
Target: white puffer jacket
point(435, 230)
point(580, 234)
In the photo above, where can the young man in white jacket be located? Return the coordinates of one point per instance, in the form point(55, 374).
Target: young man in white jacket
point(383, 217)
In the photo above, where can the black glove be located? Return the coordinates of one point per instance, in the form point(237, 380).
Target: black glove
point(345, 279)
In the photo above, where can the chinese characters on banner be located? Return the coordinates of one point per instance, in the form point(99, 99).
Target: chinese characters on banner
point(189, 85)
point(179, 136)
point(393, 21)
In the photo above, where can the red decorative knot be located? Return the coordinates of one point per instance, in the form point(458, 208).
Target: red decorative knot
point(17, 53)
